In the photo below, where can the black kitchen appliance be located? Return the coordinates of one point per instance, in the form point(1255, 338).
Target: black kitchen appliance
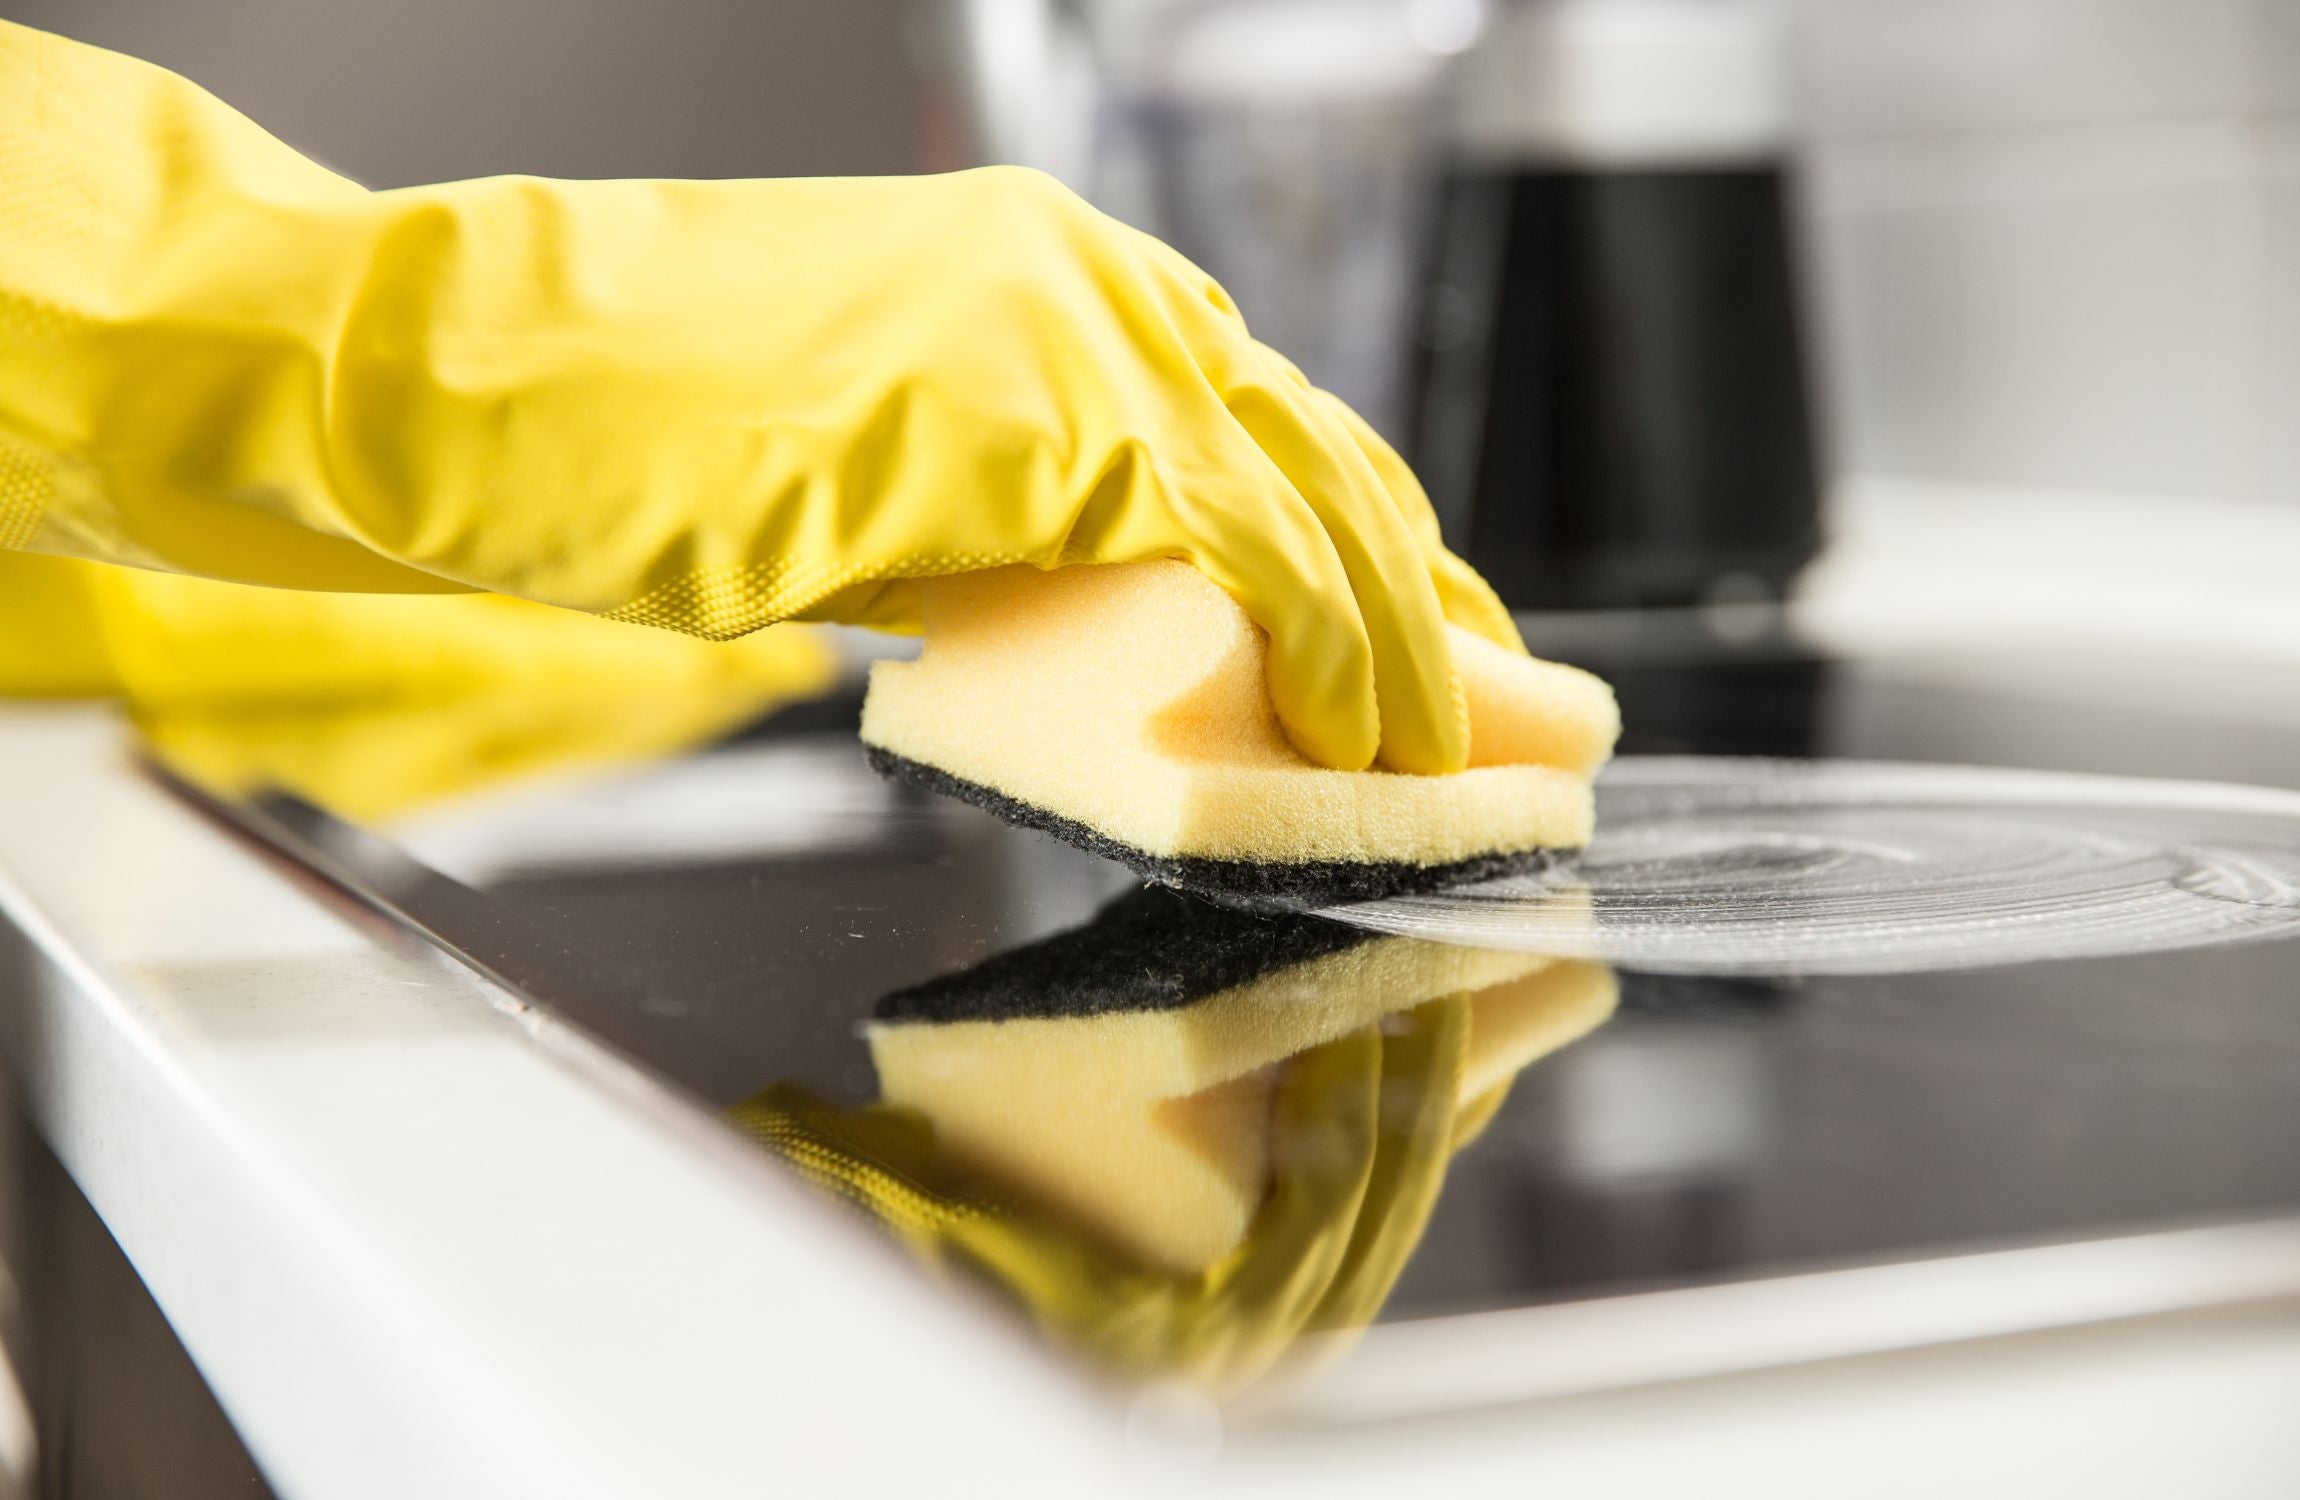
point(1613, 406)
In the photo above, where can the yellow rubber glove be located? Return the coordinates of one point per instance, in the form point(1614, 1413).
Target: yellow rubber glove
point(1364, 1127)
point(51, 637)
point(375, 705)
point(701, 405)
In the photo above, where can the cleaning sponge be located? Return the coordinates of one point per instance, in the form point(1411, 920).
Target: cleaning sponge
point(1125, 1071)
point(1123, 708)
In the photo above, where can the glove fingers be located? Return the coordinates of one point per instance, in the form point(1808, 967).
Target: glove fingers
point(1391, 608)
point(1398, 479)
point(1278, 559)
point(1469, 601)
point(1418, 702)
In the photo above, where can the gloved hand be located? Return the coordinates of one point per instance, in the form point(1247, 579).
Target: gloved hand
point(701, 405)
point(376, 705)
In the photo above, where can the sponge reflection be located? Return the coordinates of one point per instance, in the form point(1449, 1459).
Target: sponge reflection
point(1182, 1137)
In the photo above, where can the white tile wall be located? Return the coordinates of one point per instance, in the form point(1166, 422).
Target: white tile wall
point(2282, 319)
point(2277, 53)
point(2074, 309)
point(2057, 242)
point(1891, 67)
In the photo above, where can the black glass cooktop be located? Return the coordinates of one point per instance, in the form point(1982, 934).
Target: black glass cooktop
point(1099, 1100)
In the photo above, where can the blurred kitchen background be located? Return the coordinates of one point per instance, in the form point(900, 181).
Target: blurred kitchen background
point(2049, 244)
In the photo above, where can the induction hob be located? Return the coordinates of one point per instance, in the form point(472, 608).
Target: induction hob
point(732, 923)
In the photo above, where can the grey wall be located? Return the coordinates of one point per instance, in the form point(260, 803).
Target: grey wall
point(2059, 240)
point(427, 90)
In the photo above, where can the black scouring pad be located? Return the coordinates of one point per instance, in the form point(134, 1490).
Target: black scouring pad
point(1150, 949)
point(1241, 884)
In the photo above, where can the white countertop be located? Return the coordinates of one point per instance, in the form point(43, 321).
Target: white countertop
point(414, 1252)
point(419, 1251)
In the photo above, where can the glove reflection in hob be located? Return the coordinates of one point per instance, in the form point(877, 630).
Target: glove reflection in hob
point(1181, 1137)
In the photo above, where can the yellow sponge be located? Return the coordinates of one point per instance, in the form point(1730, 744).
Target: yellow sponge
point(1152, 1127)
point(1123, 708)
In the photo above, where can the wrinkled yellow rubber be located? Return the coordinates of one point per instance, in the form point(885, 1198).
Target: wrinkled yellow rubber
point(375, 705)
point(706, 406)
